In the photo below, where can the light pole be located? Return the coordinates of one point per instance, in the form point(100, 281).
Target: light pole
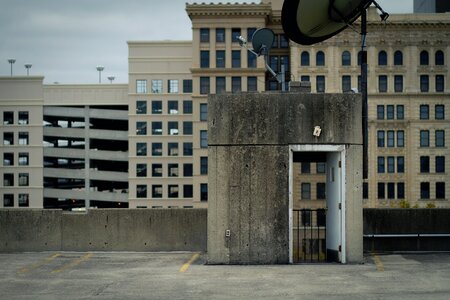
point(11, 62)
point(28, 67)
point(100, 69)
point(111, 78)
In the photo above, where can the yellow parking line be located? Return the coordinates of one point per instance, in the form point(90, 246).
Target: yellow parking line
point(378, 263)
point(73, 263)
point(185, 267)
point(38, 264)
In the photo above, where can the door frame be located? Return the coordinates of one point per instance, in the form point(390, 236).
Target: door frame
point(317, 148)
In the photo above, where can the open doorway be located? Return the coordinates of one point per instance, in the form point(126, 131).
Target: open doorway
point(317, 203)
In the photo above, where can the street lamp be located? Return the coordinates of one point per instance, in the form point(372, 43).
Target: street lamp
point(100, 69)
point(11, 62)
point(111, 78)
point(28, 67)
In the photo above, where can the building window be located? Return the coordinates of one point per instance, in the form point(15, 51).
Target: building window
point(440, 138)
point(23, 179)
point(172, 107)
point(203, 192)
point(141, 86)
point(398, 83)
point(380, 138)
point(235, 33)
point(306, 191)
point(23, 159)
point(172, 85)
point(204, 59)
point(236, 58)
point(400, 164)
point(187, 149)
point(424, 190)
point(424, 83)
point(440, 190)
point(157, 170)
point(203, 165)
point(187, 128)
point(320, 58)
point(400, 112)
point(440, 164)
point(439, 112)
point(188, 191)
point(157, 86)
point(24, 200)
point(390, 138)
point(424, 138)
point(8, 179)
point(365, 190)
point(250, 33)
point(236, 84)
point(204, 35)
point(204, 85)
point(382, 58)
point(203, 139)
point(203, 112)
point(187, 107)
point(390, 112)
point(8, 200)
point(320, 84)
point(424, 112)
point(273, 62)
point(380, 164)
point(157, 149)
point(220, 35)
point(439, 58)
point(172, 149)
point(439, 83)
point(400, 190)
point(306, 167)
point(141, 170)
point(275, 41)
point(220, 59)
point(220, 85)
point(424, 164)
point(141, 107)
point(382, 84)
point(400, 138)
point(305, 78)
point(23, 118)
point(346, 58)
point(157, 191)
point(187, 170)
point(8, 159)
point(380, 190)
point(172, 170)
point(284, 42)
point(172, 128)
point(156, 107)
point(359, 58)
point(304, 58)
point(424, 58)
point(398, 58)
point(157, 128)
point(391, 190)
point(252, 84)
point(141, 149)
point(23, 138)
point(346, 83)
point(321, 190)
point(187, 86)
point(8, 117)
point(391, 164)
point(320, 168)
point(380, 112)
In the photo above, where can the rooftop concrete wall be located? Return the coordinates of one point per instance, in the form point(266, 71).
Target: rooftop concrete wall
point(103, 230)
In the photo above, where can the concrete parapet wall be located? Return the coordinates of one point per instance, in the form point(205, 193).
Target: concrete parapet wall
point(103, 230)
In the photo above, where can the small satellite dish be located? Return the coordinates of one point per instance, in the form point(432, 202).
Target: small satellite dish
point(262, 41)
point(307, 22)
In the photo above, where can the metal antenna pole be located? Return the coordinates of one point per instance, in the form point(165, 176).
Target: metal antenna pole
point(364, 94)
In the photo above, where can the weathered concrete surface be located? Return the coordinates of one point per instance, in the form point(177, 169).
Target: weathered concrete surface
point(103, 230)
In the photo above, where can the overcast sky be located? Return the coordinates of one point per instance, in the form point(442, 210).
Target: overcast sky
point(66, 39)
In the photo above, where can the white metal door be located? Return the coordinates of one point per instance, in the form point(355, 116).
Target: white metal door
point(334, 205)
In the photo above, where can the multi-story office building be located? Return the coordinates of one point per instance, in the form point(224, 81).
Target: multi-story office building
point(166, 100)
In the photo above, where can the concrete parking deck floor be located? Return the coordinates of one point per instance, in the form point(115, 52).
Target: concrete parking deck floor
point(118, 275)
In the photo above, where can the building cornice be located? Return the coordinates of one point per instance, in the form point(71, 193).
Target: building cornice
point(196, 10)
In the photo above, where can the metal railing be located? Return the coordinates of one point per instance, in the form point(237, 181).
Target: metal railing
point(309, 233)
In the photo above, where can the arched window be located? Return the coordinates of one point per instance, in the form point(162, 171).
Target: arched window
point(424, 59)
point(320, 58)
point(304, 58)
point(359, 58)
point(382, 58)
point(439, 58)
point(346, 58)
point(398, 58)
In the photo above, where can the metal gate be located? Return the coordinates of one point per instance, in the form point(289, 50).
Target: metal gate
point(309, 232)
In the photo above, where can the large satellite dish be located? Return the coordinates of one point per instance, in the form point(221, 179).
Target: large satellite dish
point(308, 22)
point(262, 40)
